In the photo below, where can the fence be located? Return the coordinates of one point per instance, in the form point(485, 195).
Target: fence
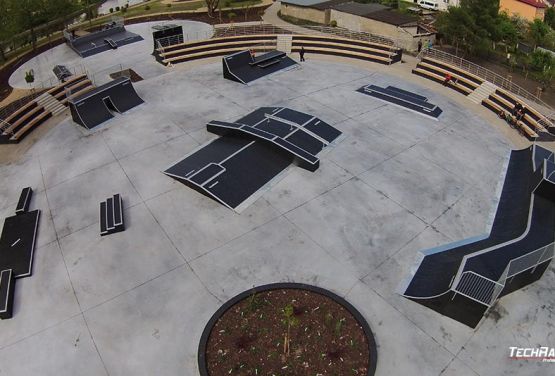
point(494, 78)
point(263, 28)
point(486, 291)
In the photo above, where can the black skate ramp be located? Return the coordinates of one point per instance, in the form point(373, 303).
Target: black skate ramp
point(251, 152)
point(110, 37)
point(511, 256)
point(242, 67)
point(402, 98)
point(95, 107)
point(17, 243)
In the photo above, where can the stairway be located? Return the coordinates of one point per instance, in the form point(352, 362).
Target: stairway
point(284, 43)
point(50, 104)
point(482, 92)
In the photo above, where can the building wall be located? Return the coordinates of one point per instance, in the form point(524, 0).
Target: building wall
point(303, 13)
point(515, 7)
point(405, 37)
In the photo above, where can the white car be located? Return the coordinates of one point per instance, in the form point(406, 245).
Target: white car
point(428, 4)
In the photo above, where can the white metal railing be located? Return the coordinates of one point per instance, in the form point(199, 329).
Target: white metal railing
point(263, 28)
point(492, 77)
point(479, 288)
point(4, 125)
point(486, 291)
point(37, 89)
point(529, 260)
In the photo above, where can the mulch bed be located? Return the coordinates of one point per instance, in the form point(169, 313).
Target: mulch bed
point(251, 337)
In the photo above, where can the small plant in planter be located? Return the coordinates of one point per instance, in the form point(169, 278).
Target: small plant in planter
point(111, 10)
point(289, 320)
point(30, 76)
point(117, 9)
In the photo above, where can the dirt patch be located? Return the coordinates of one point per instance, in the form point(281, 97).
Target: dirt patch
point(133, 76)
point(287, 332)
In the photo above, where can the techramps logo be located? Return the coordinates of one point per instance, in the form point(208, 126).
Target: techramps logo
point(541, 354)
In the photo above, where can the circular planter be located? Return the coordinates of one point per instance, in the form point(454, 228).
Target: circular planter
point(204, 340)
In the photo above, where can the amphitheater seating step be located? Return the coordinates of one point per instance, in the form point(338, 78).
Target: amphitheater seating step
point(482, 92)
point(50, 103)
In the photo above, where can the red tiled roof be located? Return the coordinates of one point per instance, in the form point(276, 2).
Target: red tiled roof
point(534, 3)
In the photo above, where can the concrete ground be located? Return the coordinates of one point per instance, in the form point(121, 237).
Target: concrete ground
point(136, 302)
point(98, 67)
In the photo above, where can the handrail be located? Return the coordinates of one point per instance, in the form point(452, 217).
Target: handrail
point(4, 125)
point(545, 109)
point(263, 28)
point(486, 291)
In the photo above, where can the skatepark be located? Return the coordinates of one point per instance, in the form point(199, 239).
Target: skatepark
point(396, 181)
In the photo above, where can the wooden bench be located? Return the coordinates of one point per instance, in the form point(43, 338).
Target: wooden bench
point(440, 79)
point(336, 45)
point(529, 120)
point(521, 126)
point(530, 111)
point(260, 38)
point(343, 41)
point(78, 85)
point(33, 123)
point(78, 93)
point(478, 80)
point(61, 86)
point(468, 83)
point(212, 53)
point(27, 117)
point(344, 53)
point(19, 111)
point(215, 46)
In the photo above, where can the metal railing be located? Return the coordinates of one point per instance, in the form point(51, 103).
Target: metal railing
point(12, 107)
point(486, 291)
point(3, 126)
point(492, 77)
point(263, 28)
point(37, 89)
point(479, 288)
point(529, 261)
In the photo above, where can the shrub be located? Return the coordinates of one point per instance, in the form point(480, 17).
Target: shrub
point(227, 3)
point(169, 5)
point(147, 7)
point(117, 9)
point(123, 10)
point(333, 23)
point(29, 76)
point(111, 10)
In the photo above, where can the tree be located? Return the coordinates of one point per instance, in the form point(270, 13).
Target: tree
point(538, 31)
point(6, 26)
point(212, 6)
point(505, 30)
point(457, 26)
point(550, 17)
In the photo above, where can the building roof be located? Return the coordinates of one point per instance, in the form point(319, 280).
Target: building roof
point(392, 17)
point(359, 9)
point(534, 3)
